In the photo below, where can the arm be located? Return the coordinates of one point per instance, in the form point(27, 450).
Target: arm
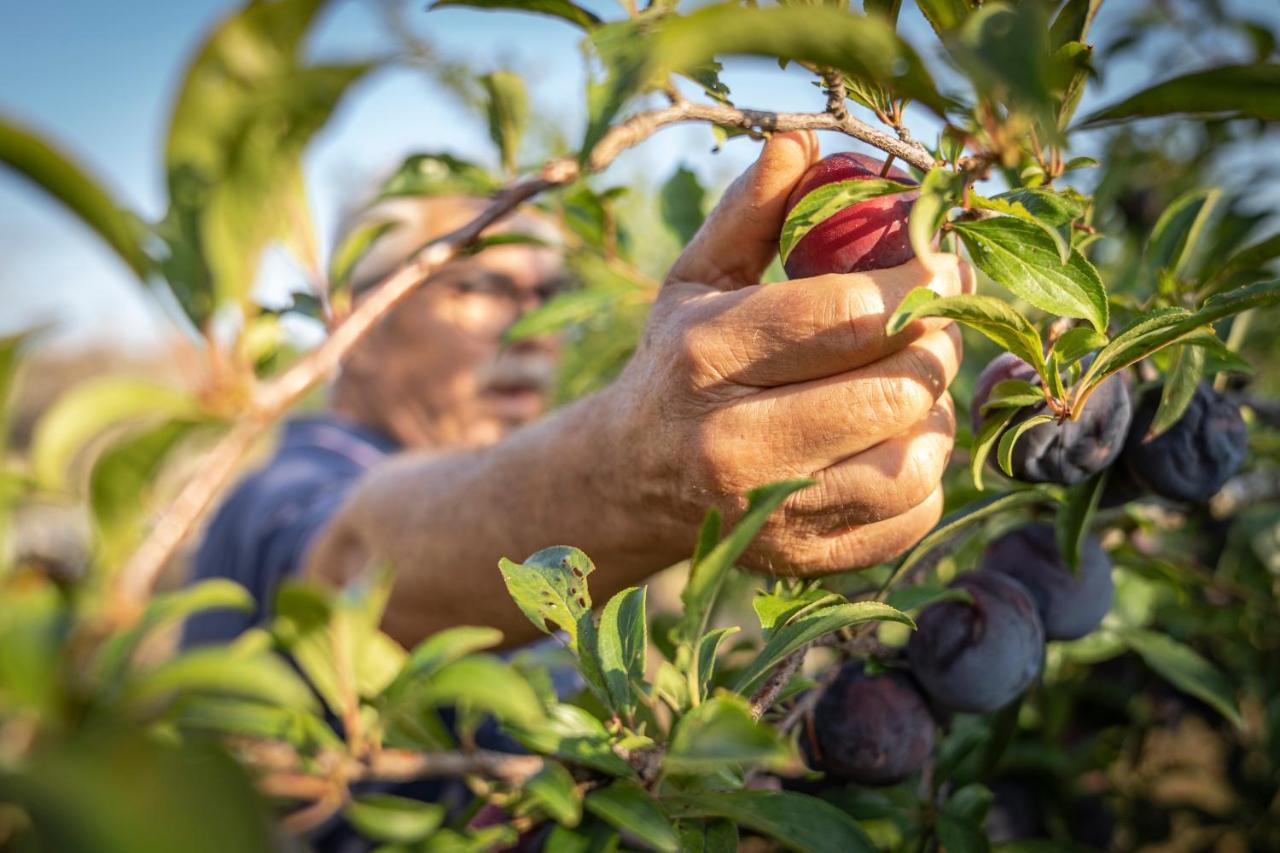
point(734, 384)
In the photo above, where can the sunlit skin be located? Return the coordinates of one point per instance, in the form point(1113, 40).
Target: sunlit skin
point(734, 384)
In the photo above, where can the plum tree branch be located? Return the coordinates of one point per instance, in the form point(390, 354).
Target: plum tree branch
point(272, 399)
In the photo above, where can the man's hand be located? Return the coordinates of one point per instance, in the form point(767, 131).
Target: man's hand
point(737, 384)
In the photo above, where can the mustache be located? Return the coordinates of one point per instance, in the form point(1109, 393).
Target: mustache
point(533, 371)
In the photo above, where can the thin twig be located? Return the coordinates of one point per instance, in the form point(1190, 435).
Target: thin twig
point(271, 400)
point(762, 700)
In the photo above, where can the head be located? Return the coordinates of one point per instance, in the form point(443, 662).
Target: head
point(436, 371)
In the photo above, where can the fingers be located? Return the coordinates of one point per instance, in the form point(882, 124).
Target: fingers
point(812, 328)
point(884, 481)
point(740, 237)
point(814, 425)
point(851, 548)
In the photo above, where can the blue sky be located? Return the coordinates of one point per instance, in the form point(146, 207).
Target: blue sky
point(97, 78)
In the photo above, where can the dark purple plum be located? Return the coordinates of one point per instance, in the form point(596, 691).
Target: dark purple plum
point(871, 729)
point(980, 656)
point(1070, 604)
point(1060, 452)
point(1195, 457)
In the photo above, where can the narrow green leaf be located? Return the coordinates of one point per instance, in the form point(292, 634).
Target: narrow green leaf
point(91, 408)
point(944, 15)
point(994, 318)
point(1073, 21)
point(1164, 326)
point(623, 642)
point(387, 817)
point(989, 432)
point(707, 649)
point(353, 247)
point(1074, 344)
point(1057, 208)
point(485, 683)
point(562, 9)
point(721, 732)
point(956, 522)
point(939, 192)
point(1016, 210)
point(681, 199)
point(60, 177)
point(554, 789)
point(800, 822)
point(442, 648)
point(707, 575)
point(810, 627)
point(508, 112)
point(1004, 449)
point(1185, 669)
point(1013, 393)
point(1173, 239)
point(629, 807)
point(828, 200)
point(1236, 90)
point(573, 735)
point(1179, 387)
point(1075, 514)
point(1020, 257)
point(220, 671)
point(1004, 51)
point(1252, 259)
point(920, 596)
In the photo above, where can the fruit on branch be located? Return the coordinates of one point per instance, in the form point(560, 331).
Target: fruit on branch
point(1070, 604)
point(1065, 452)
point(871, 729)
point(869, 235)
point(1196, 456)
point(978, 656)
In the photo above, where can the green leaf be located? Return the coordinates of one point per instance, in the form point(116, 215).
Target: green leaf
point(944, 15)
point(307, 731)
point(940, 191)
point(1234, 90)
point(1173, 239)
point(551, 587)
point(828, 200)
point(920, 596)
point(623, 642)
point(708, 647)
point(386, 817)
point(1013, 393)
point(1073, 21)
point(994, 318)
point(1004, 50)
point(707, 575)
point(1057, 208)
point(484, 683)
point(989, 432)
point(681, 202)
point(1252, 259)
point(629, 807)
point(555, 791)
point(803, 823)
point(809, 627)
point(774, 609)
point(121, 481)
point(1185, 669)
point(573, 735)
point(221, 671)
point(1179, 387)
point(956, 522)
point(719, 733)
point(1164, 326)
point(562, 9)
point(1074, 344)
point(564, 309)
point(60, 177)
point(887, 9)
point(438, 174)
point(91, 408)
point(165, 610)
point(1074, 516)
point(354, 246)
point(1016, 210)
point(1023, 259)
point(708, 836)
point(441, 648)
point(508, 111)
point(1004, 449)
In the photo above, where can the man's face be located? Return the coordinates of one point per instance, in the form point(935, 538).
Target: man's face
point(437, 370)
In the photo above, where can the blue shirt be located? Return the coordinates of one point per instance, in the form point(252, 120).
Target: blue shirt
point(260, 535)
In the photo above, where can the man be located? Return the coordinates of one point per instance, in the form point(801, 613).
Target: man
point(435, 460)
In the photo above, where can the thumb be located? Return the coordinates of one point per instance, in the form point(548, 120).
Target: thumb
point(740, 237)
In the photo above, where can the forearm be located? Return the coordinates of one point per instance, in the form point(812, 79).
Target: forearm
point(442, 521)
